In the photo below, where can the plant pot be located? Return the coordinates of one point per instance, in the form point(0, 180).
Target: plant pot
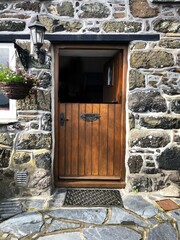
point(15, 90)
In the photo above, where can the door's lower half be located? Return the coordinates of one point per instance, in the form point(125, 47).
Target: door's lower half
point(90, 148)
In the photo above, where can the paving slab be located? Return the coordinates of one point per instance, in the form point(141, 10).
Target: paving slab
point(140, 206)
point(164, 231)
point(89, 215)
point(22, 224)
point(38, 204)
point(110, 233)
point(59, 225)
point(121, 216)
point(63, 236)
point(10, 208)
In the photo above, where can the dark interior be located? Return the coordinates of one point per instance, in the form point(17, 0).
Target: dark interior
point(81, 79)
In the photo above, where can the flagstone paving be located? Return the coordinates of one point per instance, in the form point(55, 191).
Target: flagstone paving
point(46, 219)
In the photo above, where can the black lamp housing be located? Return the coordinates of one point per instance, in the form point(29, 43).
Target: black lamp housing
point(37, 32)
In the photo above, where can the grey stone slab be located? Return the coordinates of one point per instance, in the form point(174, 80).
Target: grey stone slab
point(9, 208)
point(121, 216)
point(57, 199)
point(140, 206)
point(23, 224)
point(63, 236)
point(59, 225)
point(85, 215)
point(164, 231)
point(37, 204)
point(175, 214)
point(110, 233)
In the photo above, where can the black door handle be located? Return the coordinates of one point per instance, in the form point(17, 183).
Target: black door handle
point(62, 119)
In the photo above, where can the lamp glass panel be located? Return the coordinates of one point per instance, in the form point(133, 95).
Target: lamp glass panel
point(39, 36)
point(34, 35)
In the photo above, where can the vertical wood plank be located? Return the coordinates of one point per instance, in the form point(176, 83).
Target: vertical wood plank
point(110, 138)
point(68, 140)
point(81, 141)
point(61, 143)
point(95, 142)
point(117, 147)
point(103, 140)
point(88, 143)
point(74, 150)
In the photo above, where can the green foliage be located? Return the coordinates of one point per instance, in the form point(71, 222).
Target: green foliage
point(18, 75)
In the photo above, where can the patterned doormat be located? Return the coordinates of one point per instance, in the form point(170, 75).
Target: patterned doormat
point(93, 198)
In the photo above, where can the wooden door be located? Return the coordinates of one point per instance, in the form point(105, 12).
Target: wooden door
point(91, 142)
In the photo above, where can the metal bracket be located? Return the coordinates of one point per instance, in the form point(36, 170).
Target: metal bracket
point(24, 56)
point(90, 117)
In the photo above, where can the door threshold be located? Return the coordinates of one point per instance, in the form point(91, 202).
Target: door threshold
point(91, 184)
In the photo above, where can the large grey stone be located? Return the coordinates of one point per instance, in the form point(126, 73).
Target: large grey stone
point(4, 157)
point(145, 101)
point(63, 236)
point(135, 163)
point(63, 9)
point(68, 26)
point(136, 79)
point(142, 9)
point(123, 26)
point(35, 140)
point(148, 138)
point(12, 25)
point(28, 6)
point(7, 138)
point(23, 224)
point(175, 106)
point(166, 122)
point(40, 179)
point(85, 215)
point(164, 231)
point(151, 59)
point(94, 10)
point(43, 160)
point(110, 233)
point(169, 159)
point(121, 216)
point(167, 26)
point(140, 206)
point(59, 225)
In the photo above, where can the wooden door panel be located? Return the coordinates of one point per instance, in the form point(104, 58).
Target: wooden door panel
point(103, 140)
point(95, 142)
point(88, 142)
point(81, 142)
point(90, 149)
point(111, 139)
point(74, 141)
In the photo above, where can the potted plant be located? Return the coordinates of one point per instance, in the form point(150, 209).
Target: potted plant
point(16, 84)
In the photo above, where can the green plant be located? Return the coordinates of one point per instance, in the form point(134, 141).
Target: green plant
point(17, 75)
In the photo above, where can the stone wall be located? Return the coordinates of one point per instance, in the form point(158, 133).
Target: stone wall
point(153, 92)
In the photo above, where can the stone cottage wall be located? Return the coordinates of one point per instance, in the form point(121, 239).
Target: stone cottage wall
point(153, 91)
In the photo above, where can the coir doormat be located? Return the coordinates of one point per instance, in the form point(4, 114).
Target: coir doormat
point(92, 198)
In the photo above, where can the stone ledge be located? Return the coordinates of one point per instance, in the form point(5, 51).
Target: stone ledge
point(86, 37)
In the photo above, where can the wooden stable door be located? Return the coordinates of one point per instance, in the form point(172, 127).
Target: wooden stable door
point(91, 136)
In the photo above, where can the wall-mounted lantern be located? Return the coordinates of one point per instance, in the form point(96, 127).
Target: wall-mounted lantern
point(37, 32)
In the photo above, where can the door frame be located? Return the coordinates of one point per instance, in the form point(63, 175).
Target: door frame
point(99, 46)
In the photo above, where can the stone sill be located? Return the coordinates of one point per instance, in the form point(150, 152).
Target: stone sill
point(7, 121)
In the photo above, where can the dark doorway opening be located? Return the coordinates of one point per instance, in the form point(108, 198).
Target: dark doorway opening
point(82, 77)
